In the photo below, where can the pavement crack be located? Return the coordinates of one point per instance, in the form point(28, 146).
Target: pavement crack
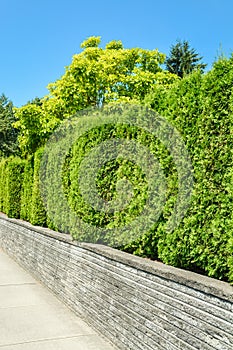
point(18, 284)
point(47, 339)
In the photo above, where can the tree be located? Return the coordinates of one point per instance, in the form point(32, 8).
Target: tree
point(98, 76)
point(29, 124)
point(35, 101)
point(183, 59)
point(8, 134)
point(95, 77)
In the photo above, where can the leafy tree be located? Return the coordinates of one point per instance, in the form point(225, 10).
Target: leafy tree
point(95, 77)
point(30, 128)
point(8, 134)
point(98, 76)
point(183, 59)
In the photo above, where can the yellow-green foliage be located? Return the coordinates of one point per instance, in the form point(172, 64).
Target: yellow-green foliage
point(95, 77)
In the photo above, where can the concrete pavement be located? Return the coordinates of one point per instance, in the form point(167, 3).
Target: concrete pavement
point(32, 318)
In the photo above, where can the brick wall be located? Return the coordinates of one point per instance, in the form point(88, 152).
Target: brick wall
point(136, 303)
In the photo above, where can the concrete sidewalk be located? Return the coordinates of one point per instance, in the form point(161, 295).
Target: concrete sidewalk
point(32, 318)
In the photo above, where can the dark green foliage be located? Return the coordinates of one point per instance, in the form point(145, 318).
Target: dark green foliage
point(37, 212)
point(3, 165)
point(35, 101)
point(19, 189)
point(183, 60)
point(201, 108)
point(14, 178)
point(26, 199)
point(8, 134)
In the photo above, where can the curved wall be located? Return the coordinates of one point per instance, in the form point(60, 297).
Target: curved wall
point(136, 303)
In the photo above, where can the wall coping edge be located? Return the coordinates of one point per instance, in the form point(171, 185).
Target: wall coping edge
point(190, 279)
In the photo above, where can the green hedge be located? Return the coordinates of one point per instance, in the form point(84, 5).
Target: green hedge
point(3, 164)
point(26, 198)
point(201, 108)
point(13, 186)
point(19, 189)
point(107, 178)
point(37, 212)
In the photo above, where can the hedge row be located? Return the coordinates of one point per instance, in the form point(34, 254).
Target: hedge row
point(201, 108)
point(101, 226)
point(19, 189)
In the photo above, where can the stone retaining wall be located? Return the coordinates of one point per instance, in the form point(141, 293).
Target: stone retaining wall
point(136, 303)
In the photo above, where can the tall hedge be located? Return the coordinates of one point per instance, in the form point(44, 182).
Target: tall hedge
point(20, 195)
point(106, 181)
point(37, 211)
point(201, 108)
point(27, 185)
point(14, 178)
point(3, 164)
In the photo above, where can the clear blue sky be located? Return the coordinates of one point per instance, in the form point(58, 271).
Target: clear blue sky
point(39, 38)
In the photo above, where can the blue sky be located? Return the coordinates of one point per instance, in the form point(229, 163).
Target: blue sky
point(39, 38)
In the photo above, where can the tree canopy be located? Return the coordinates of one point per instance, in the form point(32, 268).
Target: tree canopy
point(183, 59)
point(95, 77)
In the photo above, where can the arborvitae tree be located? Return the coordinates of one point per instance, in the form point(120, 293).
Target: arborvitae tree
point(8, 134)
point(183, 59)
